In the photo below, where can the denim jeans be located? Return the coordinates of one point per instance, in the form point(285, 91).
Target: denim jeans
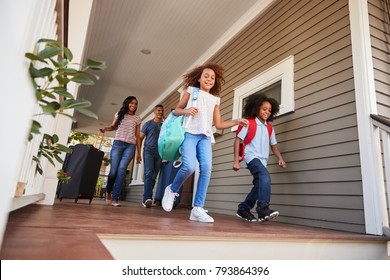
point(167, 174)
point(195, 146)
point(152, 165)
point(261, 191)
point(121, 154)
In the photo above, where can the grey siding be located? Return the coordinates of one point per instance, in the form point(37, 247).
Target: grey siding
point(380, 39)
point(170, 103)
point(322, 185)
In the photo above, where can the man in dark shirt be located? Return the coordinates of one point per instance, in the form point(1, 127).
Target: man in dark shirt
point(152, 161)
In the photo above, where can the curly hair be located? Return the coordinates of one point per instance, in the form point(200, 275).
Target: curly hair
point(253, 104)
point(123, 110)
point(191, 78)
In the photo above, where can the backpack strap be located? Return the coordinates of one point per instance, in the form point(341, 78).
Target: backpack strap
point(194, 97)
point(195, 94)
point(248, 138)
point(250, 135)
point(269, 128)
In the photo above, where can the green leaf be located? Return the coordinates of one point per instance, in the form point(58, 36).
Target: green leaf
point(75, 103)
point(60, 160)
point(70, 116)
point(62, 80)
point(54, 138)
point(46, 137)
point(39, 94)
point(38, 168)
point(68, 71)
point(51, 108)
point(62, 63)
point(62, 92)
point(83, 79)
point(50, 42)
point(68, 54)
point(96, 65)
point(34, 72)
point(33, 57)
point(87, 113)
point(34, 129)
point(49, 51)
point(48, 94)
point(55, 63)
point(49, 158)
point(45, 72)
point(63, 148)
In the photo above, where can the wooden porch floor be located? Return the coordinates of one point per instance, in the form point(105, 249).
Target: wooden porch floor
point(68, 230)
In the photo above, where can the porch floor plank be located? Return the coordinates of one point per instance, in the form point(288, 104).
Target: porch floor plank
point(68, 230)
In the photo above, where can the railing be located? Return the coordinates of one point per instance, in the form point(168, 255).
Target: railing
point(384, 126)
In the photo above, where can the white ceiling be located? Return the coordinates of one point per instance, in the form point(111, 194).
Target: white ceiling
point(179, 33)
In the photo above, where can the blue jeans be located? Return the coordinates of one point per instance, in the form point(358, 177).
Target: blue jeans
point(167, 174)
point(121, 154)
point(152, 165)
point(195, 146)
point(261, 191)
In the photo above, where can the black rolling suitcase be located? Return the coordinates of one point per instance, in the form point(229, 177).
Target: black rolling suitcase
point(83, 165)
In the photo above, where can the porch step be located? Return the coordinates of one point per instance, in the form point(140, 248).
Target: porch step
point(132, 247)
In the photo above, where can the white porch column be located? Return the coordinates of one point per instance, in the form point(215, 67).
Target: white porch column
point(369, 142)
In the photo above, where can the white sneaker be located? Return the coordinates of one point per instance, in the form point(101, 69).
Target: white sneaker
point(168, 199)
point(199, 214)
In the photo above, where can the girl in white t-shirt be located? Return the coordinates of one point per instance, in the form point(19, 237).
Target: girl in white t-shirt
point(199, 117)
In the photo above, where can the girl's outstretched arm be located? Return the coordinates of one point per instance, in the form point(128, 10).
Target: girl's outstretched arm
point(219, 124)
point(236, 148)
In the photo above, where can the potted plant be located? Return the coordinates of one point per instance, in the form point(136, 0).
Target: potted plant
point(51, 70)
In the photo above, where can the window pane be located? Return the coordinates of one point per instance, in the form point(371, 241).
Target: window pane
point(273, 91)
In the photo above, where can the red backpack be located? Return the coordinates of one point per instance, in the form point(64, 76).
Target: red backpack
point(251, 133)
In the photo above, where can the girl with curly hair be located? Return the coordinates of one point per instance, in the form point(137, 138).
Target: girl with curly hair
point(262, 109)
point(127, 141)
point(200, 106)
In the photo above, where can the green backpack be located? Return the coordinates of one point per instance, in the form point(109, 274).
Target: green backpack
point(170, 138)
point(172, 135)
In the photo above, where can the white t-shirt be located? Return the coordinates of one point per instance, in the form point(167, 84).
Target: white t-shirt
point(202, 122)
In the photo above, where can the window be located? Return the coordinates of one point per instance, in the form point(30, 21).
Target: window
point(276, 82)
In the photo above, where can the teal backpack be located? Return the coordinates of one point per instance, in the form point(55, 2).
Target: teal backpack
point(172, 135)
point(170, 138)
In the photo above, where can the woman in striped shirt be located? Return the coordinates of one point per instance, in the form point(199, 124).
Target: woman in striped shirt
point(127, 141)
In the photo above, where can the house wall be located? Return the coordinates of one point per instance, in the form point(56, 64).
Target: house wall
point(380, 39)
point(170, 103)
point(321, 186)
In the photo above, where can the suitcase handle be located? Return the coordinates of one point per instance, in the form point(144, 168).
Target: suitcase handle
point(100, 133)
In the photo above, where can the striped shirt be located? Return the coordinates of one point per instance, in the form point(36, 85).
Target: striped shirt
point(126, 130)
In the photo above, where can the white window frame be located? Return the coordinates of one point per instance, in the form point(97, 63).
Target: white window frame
point(282, 71)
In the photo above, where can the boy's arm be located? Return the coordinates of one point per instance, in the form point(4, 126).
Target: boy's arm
point(277, 153)
point(236, 148)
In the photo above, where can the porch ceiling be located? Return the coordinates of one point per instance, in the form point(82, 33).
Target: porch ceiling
point(179, 34)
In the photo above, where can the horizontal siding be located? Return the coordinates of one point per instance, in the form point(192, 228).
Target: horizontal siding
point(322, 184)
point(170, 103)
point(380, 43)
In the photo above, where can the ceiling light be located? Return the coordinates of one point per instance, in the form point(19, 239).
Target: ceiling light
point(146, 51)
